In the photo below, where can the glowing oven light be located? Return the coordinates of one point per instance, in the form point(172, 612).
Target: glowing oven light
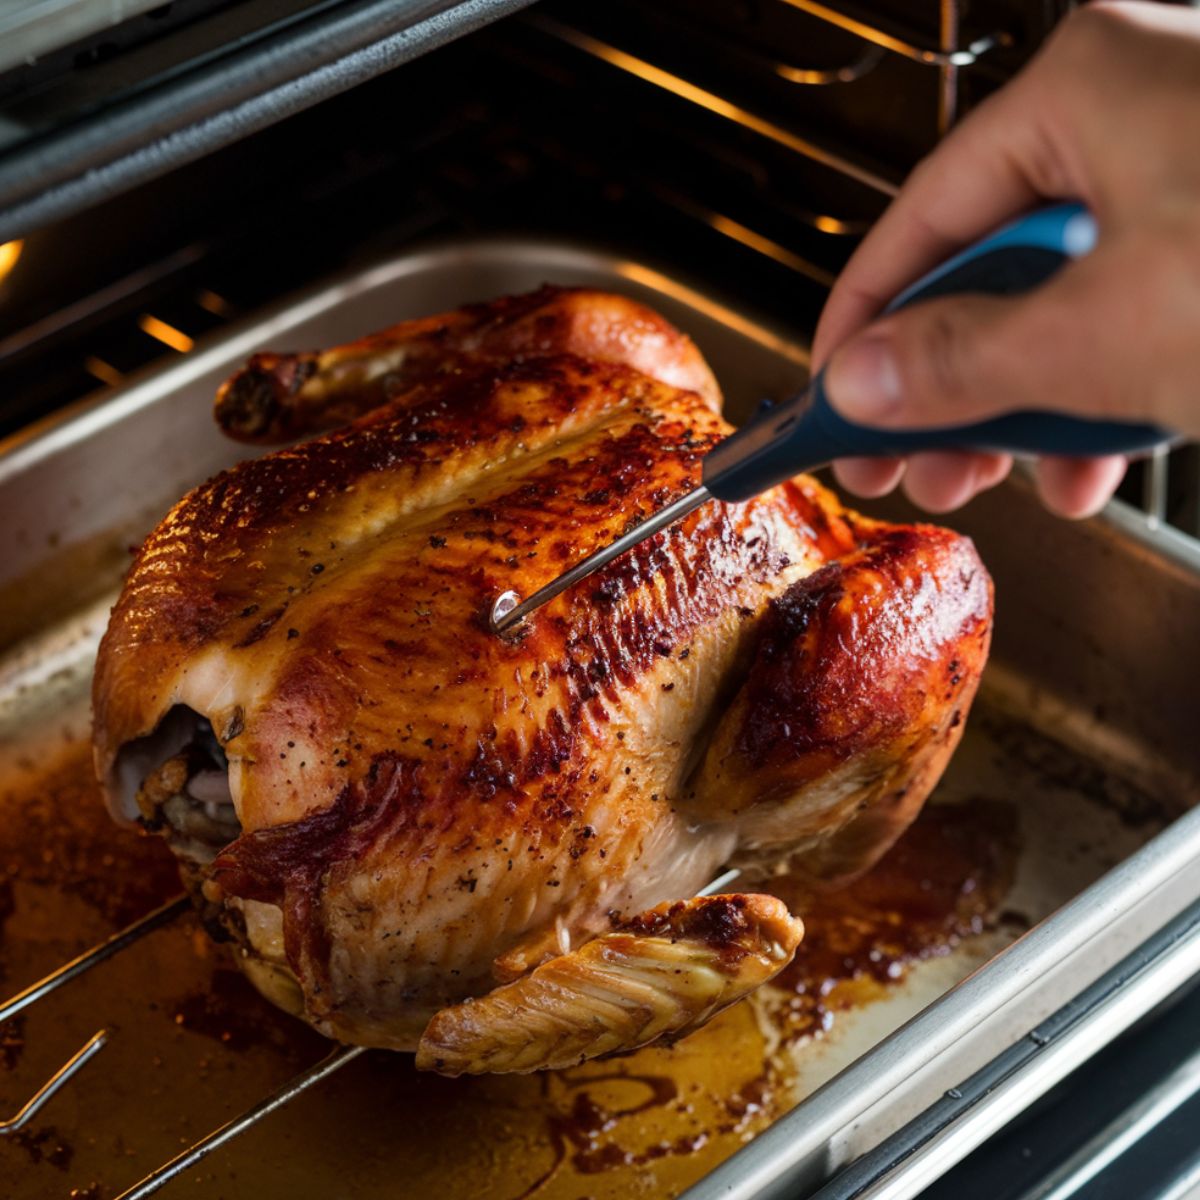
point(9, 253)
point(167, 334)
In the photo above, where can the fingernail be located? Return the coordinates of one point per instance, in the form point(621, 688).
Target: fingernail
point(863, 382)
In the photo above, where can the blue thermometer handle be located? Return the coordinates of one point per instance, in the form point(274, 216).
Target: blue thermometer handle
point(804, 431)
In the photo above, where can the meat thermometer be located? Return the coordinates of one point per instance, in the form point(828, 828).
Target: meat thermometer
point(804, 431)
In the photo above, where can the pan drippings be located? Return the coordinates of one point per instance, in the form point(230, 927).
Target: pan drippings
point(193, 1043)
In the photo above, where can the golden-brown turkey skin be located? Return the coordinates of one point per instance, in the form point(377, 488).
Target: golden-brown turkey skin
point(428, 809)
point(861, 677)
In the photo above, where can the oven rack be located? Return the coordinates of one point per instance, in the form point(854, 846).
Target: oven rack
point(948, 56)
point(816, 149)
point(718, 105)
point(103, 136)
point(947, 53)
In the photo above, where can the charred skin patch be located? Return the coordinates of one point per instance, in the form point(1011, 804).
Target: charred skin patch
point(255, 404)
point(714, 920)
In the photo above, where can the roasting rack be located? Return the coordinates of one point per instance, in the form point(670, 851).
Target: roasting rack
point(118, 942)
point(122, 940)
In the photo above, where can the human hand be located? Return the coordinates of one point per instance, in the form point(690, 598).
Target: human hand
point(1108, 113)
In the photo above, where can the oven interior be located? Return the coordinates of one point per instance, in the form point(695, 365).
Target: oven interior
point(737, 150)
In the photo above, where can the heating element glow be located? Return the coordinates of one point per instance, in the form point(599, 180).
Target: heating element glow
point(9, 253)
point(167, 334)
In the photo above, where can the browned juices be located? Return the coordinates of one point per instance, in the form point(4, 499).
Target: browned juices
point(943, 881)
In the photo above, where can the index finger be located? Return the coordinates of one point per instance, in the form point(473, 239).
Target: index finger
point(996, 164)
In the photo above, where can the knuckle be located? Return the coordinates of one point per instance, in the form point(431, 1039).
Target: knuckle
point(1086, 52)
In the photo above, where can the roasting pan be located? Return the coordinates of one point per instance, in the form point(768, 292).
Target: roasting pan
point(1085, 730)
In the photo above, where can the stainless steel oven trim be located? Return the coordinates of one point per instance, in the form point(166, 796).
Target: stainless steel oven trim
point(207, 108)
point(926, 1148)
point(30, 31)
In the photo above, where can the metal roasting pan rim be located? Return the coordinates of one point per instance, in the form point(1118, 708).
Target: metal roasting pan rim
point(807, 1145)
point(762, 1168)
point(75, 422)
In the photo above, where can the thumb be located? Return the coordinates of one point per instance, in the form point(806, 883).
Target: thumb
point(1083, 343)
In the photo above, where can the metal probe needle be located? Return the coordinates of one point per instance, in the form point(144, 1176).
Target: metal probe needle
point(509, 609)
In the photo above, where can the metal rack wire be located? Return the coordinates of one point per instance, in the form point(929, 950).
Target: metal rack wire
point(719, 106)
point(333, 1062)
point(105, 950)
point(948, 56)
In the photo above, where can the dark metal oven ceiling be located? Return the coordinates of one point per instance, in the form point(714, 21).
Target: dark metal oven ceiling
point(89, 120)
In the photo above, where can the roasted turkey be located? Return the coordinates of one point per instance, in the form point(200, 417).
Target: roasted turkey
point(488, 849)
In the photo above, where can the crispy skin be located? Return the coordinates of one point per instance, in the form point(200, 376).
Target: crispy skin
point(659, 975)
point(426, 808)
point(861, 678)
